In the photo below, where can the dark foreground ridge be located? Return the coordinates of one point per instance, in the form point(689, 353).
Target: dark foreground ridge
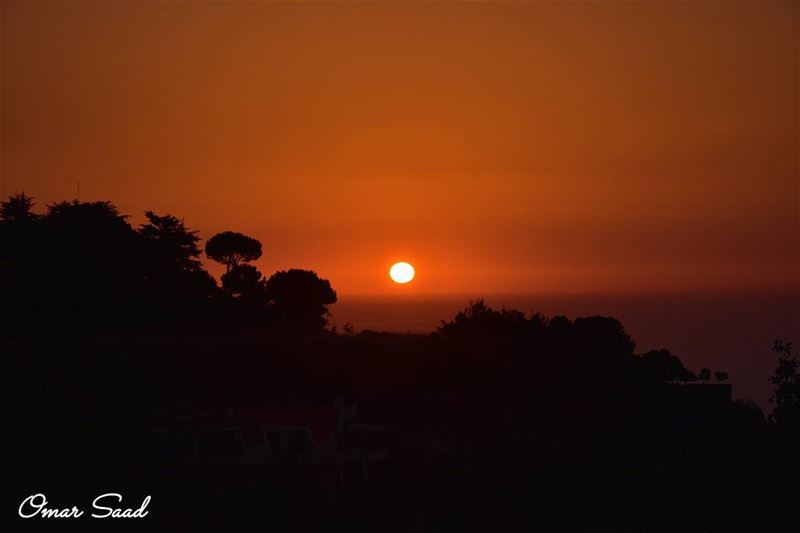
point(128, 369)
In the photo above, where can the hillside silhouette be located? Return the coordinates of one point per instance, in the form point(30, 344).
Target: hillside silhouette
point(238, 406)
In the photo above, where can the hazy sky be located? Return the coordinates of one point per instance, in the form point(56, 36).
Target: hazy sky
point(501, 147)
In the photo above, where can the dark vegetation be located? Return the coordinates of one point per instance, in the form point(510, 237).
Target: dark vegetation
point(506, 422)
point(80, 267)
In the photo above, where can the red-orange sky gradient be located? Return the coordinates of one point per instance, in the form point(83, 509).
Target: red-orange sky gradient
point(499, 147)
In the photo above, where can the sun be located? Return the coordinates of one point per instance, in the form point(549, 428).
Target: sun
point(401, 272)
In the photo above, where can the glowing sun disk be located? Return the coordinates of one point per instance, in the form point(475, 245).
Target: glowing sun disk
point(401, 272)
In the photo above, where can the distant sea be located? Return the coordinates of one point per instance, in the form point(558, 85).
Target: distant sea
point(731, 332)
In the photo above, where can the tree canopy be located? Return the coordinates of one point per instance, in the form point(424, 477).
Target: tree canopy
point(169, 241)
point(18, 207)
point(230, 249)
point(786, 378)
point(244, 281)
point(81, 264)
point(301, 298)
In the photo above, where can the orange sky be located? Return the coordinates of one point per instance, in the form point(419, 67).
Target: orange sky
point(582, 147)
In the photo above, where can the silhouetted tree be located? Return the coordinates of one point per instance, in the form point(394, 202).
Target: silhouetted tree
point(786, 398)
point(91, 259)
point(17, 208)
point(79, 264)
point(171, 268)
point(662, 366)
point(478, 333)
point(21, 264)
point(301, 298)
point(603, 341)
point(480, 320)
point(704, 375)
point(230, 249)
point(721, 376)
point(244, 281)
point(18, 225)
point(169, 243)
